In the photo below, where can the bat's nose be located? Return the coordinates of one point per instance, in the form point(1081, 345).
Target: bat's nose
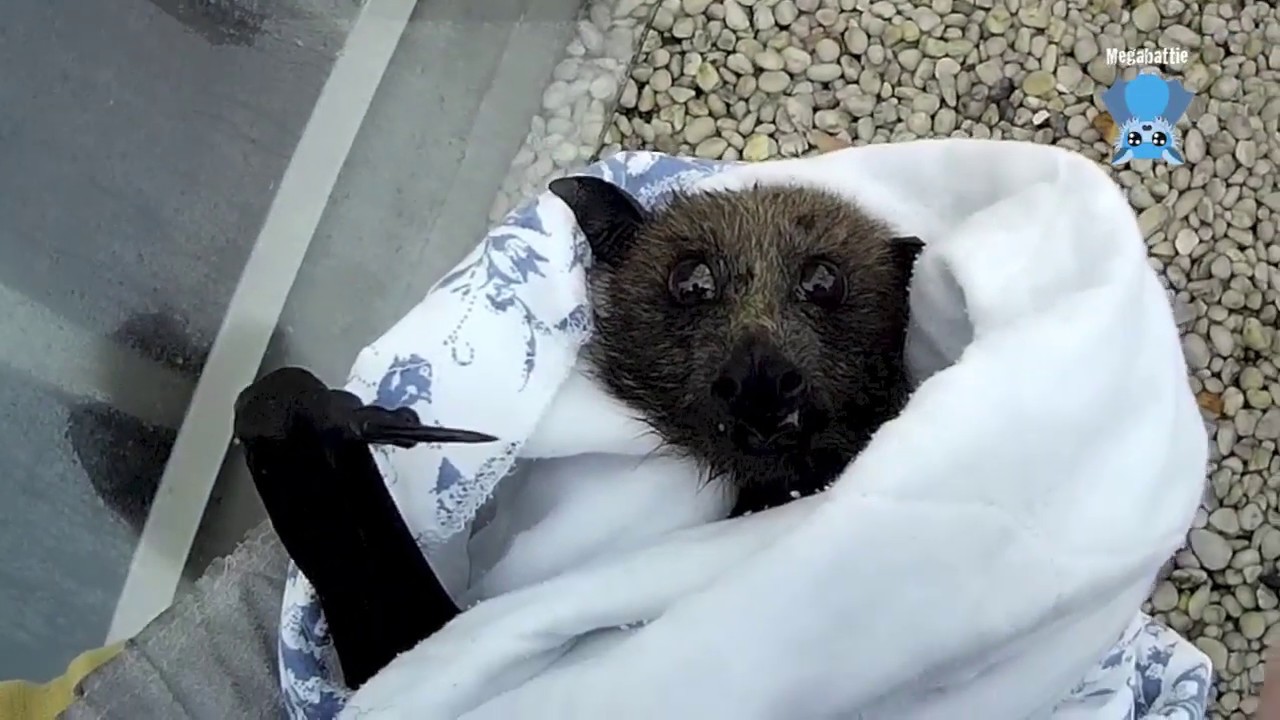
point(1146, 127)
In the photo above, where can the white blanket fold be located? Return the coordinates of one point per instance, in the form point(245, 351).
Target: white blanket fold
point(983, 557)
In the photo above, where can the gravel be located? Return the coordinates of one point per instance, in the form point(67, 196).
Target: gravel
point(589, 83)
point(762, 79)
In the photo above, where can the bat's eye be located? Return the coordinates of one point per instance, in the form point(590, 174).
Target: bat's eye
point(1135, 139)
point(1159, 139)
point(691, 282)
point(821, 284)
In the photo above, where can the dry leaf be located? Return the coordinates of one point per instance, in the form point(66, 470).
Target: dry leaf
point(1106, 126)
point(1210, 401)
point(827, 143)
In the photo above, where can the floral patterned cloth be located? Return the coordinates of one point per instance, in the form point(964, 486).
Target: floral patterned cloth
point(1151, 673)
point(488, 299)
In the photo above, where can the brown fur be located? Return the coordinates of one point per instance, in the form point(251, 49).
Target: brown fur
point(661, 357)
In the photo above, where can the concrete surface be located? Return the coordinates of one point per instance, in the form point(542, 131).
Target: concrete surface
point(139, 144)
point(140, 147)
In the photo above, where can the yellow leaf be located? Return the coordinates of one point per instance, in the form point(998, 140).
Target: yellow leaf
point(1106, 126)
point(827, 143)
point(1210, 401)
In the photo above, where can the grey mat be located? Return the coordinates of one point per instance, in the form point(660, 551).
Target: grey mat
point(212, 656)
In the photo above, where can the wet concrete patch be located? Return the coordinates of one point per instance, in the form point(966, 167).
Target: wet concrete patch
point(221, 22)
point(124, 457)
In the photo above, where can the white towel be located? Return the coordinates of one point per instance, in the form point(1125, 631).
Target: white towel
point(985, 556)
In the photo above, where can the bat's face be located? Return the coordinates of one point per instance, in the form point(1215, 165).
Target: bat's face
point(760, 331)
point(1141, 139)
point(1144, 135)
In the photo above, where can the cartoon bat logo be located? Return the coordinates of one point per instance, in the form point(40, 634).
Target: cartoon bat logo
point(1146, 109)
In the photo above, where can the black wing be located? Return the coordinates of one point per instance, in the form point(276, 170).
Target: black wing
point(307, 448)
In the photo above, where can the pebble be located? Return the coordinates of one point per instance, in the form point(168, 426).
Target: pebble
point(1213, 551)
point(773, 82)
point(1038, 83)
point(824, 72)
point(856, 40)
point(1268, 427)
point(1254, 335)
point(752, 79)
point(1224, 520)
point(1221, 340)
point(827, 50)
point(759, 147)
point(769, 59)
point(1145, 17)
point(1253, 625)
point(711, 148)
point(1152, 219)
point(1165, 597)
point(735, 18)
point(699, 129)
point(1269, 544)
point(1186, 241)
point(1216, 651)
point(1196, 351)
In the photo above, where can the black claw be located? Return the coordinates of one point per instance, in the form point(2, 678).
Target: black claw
point(271, 407)
point(377, 426)
point(450, 435)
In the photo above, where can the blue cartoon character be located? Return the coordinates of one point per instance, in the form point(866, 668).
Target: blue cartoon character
point(1146, 109)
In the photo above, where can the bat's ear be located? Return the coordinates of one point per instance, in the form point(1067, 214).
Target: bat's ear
point(906, 250)
point(608, 216)
point(1113, 99)
point(1179, 100)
